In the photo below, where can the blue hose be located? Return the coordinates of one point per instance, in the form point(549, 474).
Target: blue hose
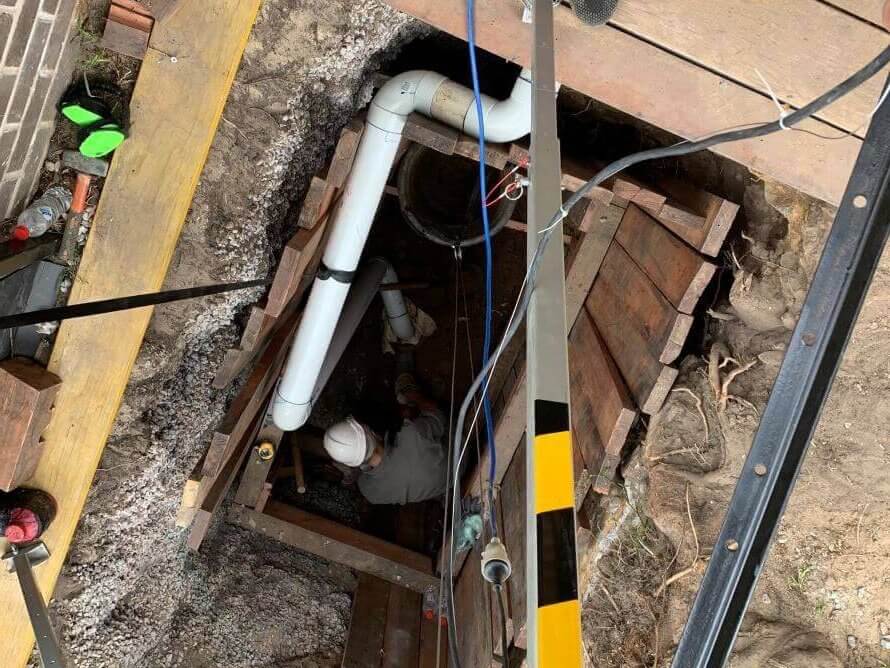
point(486, 343)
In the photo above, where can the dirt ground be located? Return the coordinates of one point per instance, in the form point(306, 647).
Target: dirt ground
point(130, 595)
point(822, 600)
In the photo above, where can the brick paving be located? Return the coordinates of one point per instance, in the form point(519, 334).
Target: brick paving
point(36, 63)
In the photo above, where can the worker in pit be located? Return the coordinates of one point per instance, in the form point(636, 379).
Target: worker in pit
point(402, 467)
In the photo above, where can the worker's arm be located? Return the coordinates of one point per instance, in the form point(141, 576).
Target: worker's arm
point(431, 421)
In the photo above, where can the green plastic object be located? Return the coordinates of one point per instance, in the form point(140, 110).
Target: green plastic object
point(469, 532)
point(103, 140)
point(80, 115)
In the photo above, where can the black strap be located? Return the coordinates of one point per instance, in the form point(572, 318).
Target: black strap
point(121, 303)
point(325, 272)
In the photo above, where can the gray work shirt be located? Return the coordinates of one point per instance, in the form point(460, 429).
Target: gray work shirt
point(413, 466)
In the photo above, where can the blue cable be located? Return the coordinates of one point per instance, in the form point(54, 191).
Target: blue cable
point(486, 344)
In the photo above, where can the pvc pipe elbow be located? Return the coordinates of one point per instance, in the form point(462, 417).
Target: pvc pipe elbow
point(505, 120)
point(288, 416)
point(400, 96)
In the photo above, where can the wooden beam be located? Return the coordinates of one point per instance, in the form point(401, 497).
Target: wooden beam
point(213, 489)
point(637, 338)
point(295, 261)
point(868, 10)
point(677, 271)
point(801, 47)
point(625, 294)
point(654, 85)
point(712, 216)
point(338, 543)
point(602, 409)
point(144, 203)
point(364, 642)
point(27, 393)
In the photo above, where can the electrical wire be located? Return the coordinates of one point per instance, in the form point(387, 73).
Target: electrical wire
point(486, 338)
point(683, 148)
point(457, 270)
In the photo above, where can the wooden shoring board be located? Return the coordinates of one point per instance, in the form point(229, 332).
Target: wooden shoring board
point(677, 271)
point(583, 263)
point(656, 86)
point(338, 543)
point(144, 204)
point(367, 624)
point(401, 642)
point(602, 409)
point(300, 257)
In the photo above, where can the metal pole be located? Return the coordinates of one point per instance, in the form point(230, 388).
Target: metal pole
point(848, 262)
point(553, 612)
point(47, 641)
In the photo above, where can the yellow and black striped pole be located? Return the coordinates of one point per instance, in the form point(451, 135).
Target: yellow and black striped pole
point(553, 610)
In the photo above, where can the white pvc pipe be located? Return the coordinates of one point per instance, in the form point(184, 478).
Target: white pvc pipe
point(394, 305)
point(419, 91)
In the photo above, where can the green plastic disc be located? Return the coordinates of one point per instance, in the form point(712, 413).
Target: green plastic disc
point(102, 141)
point(80, 115)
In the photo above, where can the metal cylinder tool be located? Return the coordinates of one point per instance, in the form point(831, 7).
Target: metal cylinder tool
point(20, 560)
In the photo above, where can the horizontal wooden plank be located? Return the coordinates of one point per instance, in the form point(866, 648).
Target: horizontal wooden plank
point(135, 230)
point(869, 10)
point(801, 47)
point(654, 85)
point(712, 216)
point(677, 271)
point(338, 543)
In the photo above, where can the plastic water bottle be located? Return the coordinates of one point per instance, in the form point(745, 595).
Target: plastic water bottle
point(43, 212)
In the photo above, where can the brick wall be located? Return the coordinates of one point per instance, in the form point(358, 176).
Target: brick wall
point(36, 52)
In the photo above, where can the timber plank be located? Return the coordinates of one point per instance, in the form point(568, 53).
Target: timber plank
point(513, 502)
point(634, 298)
point(144, 203)
point(801, 47)
point(213, 489)
point(711, 221)
point(868, 10)
point(603, 411)
point(401, 642)
point(297, 256)
point(338, 543)
point(430, 133)
point(472, 613)
point(677, 271)
point(629, 340)
point(645, 81)
point(251, 398)
point(364, 643)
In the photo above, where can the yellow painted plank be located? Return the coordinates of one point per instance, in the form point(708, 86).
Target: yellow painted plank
point(175, 109)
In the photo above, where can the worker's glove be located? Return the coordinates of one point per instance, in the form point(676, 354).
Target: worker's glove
point(406, 387)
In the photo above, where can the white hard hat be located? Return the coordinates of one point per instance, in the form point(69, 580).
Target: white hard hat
point(347, 442)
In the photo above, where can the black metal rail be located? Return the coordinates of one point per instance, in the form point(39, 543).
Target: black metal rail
point(851, 254)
